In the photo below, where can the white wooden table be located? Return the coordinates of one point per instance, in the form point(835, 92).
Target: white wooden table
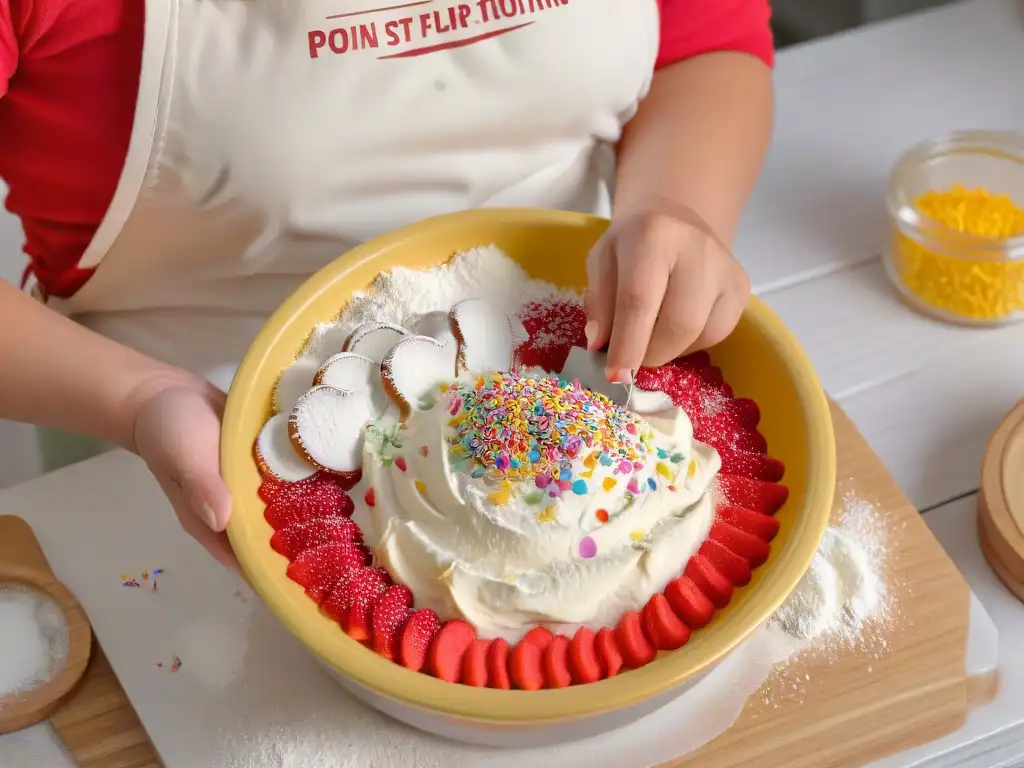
point(926, 396)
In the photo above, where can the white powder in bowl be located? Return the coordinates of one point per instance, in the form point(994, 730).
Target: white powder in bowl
point(33, 639)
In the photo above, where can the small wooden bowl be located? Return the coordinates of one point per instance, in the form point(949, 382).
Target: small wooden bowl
point(1001, 502)
point(21, 710)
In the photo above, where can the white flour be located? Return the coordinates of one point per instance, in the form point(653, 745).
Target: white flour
point(842, 603)
point(484, 272)
point(33, 639)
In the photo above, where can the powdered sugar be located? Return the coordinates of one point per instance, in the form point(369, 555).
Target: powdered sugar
point(394, 296)
point(843, 603)
point(34, 642)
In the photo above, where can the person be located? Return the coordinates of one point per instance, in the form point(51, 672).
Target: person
point(180, 166)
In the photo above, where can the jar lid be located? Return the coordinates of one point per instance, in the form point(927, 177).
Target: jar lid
point(1001, 502)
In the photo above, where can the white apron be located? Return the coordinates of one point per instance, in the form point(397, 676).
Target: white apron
point(272, 135)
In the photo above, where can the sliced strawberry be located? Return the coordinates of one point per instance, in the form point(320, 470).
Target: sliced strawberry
point(306, 501)
point(337, 603)
point(583, 661)
point(296, 538)
point(387, 619)
point(741, 543)
point(635, 646)
point(689, 602)
point(416, 638)
point(364, 587)
point(757, 495)
point(269, 488)
point(556, 663)
point(708, 580)
point(753, 465)
point(554, 328)
point(539, 636)
point(681, 384)
point(449, 646)
point(526, 666)
point(320, 568)
point(735, 568)
point(474, 664)
point(497, 664)
point(763, 526)
point(662, 627)
point(608, 652)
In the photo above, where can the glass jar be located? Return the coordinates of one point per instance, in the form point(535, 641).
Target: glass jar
point(956, 206)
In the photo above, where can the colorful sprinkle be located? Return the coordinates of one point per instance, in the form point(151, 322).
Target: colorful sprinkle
point(601, 515)
point(637, 535)
point(580, 488)
point(608, 483)
point(500, 497)
point(692, 469)
point(548, 515)
point(400, 463)
point(663, 469)
point(588, 547)
point(424, 450)
point(421, 487)
point(370, 498)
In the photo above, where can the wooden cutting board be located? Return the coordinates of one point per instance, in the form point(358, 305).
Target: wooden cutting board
point(96, 723)
point(850, 711)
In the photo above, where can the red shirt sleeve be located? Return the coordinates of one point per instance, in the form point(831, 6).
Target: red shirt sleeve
point(692, 27)
point(69, 73)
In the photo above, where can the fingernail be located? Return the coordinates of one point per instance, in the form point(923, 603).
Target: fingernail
point(590, 330)
point(621, 376)
point(205, 511)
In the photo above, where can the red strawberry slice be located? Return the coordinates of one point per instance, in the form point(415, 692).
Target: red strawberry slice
point(662, 627)
point(298, 537)
point(583, 661)
point(763, 526)
point(752, 465)
point(364, 587)
point(416, 638)
point(608, 652)
point(708, 580)
point(307, 500)
point(756, 495)
point(320, 568)
point(689, 602)
point(269, 488)
point(474, 664)
point(539, 636)
point(735, 568)
point(449, 646)
point(526, 667)
point(387, 619)
point(741, 543)
point(636, 648)
point(497, 664)
point(556, 663)
point(554, 328)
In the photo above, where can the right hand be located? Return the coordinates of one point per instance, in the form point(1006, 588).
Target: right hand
point(177, 434)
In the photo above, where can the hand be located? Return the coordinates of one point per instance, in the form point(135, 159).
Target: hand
point(177, 434)
point(661, 284)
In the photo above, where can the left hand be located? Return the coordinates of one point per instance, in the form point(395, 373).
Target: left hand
point(661, 284)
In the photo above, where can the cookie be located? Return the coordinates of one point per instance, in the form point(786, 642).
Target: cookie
point(374, 340)
point(414, 371)
point(327, 427)
point(484, 333)
point(276, 457)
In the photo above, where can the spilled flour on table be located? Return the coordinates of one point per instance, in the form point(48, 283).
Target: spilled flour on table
point(842, 603)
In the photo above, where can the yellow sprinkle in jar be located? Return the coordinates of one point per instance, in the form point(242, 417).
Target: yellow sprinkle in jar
point(957, 210)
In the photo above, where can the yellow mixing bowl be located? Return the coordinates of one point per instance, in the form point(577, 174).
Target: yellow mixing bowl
point(761, 360)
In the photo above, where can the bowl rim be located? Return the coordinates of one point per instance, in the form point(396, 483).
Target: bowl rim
point(369, 670)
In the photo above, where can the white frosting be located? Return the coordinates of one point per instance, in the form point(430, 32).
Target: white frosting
point(473, 541)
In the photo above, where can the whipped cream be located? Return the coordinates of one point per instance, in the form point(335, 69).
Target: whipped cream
point(519, 498)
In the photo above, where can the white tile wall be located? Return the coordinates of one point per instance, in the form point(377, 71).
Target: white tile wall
point(19, 450)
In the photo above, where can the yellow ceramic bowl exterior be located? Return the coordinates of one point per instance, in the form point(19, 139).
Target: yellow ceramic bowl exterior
point(760, 360)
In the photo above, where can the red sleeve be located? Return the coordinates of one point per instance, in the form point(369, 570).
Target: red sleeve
point(69, 72)
point(8, 47)
point(692, 27)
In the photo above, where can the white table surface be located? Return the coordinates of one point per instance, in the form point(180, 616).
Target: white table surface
point(926, 396)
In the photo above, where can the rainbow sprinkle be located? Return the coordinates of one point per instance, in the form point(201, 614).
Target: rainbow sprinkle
point(510, 426)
